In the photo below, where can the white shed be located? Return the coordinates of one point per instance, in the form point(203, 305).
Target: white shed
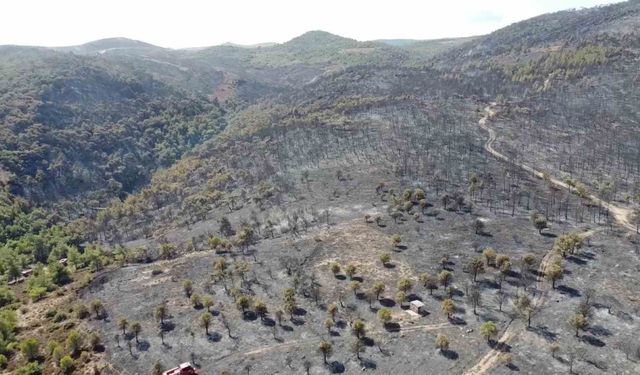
point(416, 306)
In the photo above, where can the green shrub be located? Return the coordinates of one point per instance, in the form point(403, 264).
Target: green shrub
point(60, 317)
point(3, 361)
point(30, 348)
point(6, 296)
point(37, 293)
point(66, 364)
point(81, 311)
point(31, 368)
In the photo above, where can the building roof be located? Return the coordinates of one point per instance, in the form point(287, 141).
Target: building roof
point(417, 303)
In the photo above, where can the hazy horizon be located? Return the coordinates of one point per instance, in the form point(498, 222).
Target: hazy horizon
point(192, 23)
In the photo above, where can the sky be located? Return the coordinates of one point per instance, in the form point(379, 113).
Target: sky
point(196, 23)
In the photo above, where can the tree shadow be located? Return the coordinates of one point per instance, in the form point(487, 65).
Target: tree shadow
point(143, 345)
point(592, 340)
point(368, 364)
point(485, 234)
point(569, 291)
point(214, 337)
point(576, 260)
point(449, 354)
point(286, 328)
point(458, 321)
point(459, 309)
point(599, 330)
point(297, 321)
point(249, 316)
point(549, 235)
point(167, 326)
point(588, 255)
point(544, 332)
point(299, 311)
point(341, 277)
point(392, 327)
point(499, 345)
point(414, 297)
point(401, 247)
point(513, 367)
point(334, 333)
point(336, 367)
point(266, 321)
point(390, 266)
point(387, 302)
point(536, 273)
point(341, 324)
point(491, 284)
point(367, 341)
point(358, 279)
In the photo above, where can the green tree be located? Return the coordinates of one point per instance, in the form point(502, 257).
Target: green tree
point(196, 301)
point(123, 324)
point(358, 327)
point(442, 343)
point(385, 259)
point(351, 270)
point(66, 364)
point(136, 328)
point(335, 268)
point(384, 314)
point(448, 307)
point(554, 272)
point(539, 221)
point(74, 342)
point(332, 309)
point(187, 286)
point(405, 285)
point(488, 329)
point(355, 287)
point(30, 348)
point(326, 349)
point(378, 288)
point(205, 322)
point(208, 303)
point(243, 302)
point(476, 267)
point(445, 278)
point(578, 322)
point(261, 309)
point(97, 307)
point(161, 313)
point(490, 256)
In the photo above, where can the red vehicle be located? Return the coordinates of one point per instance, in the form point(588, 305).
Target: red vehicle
point(184, 369)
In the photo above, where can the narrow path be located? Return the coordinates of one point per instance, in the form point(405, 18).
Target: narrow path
point(622, 216)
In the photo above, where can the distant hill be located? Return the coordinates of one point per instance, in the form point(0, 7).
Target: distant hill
point(109, 44)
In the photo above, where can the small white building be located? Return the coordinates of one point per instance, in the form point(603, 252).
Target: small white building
point(417, 306)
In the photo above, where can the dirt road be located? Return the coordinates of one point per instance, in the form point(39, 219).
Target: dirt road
point(621, 214)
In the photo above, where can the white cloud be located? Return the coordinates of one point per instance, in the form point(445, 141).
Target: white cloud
point(190, 23)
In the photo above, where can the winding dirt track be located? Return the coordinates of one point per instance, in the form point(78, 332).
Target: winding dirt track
point(622, 216)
